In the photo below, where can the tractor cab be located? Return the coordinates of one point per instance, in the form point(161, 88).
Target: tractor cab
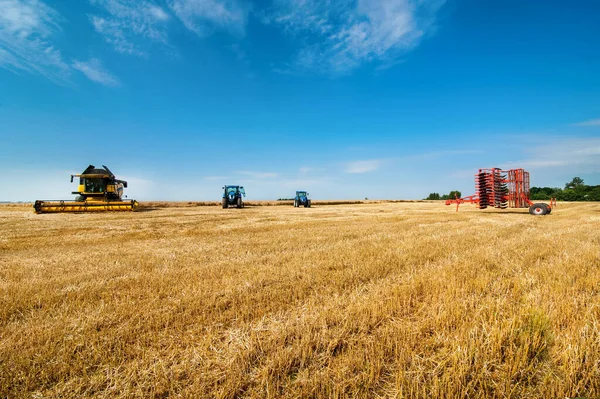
point(232, 196)
point(301, 199)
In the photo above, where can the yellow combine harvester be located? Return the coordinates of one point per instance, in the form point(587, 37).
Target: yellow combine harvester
point(98, 190)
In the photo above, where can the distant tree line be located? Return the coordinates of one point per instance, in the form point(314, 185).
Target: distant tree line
point(575, 190)
point(437, 196)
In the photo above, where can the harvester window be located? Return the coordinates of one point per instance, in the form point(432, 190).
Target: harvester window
point(94, 186)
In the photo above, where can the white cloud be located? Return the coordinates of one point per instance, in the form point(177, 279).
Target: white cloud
point(26, 29)
point(579, 155)
point(140, 189)
point(127, 20)
point(202, 16)
point(94, 70)
point(591, 122)
point(363, 166)
point(341, 35)
point(259, 175)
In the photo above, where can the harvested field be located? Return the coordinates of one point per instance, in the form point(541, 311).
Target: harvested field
point(353, 300)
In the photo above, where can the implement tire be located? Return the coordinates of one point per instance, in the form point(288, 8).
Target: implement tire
point(538, 209)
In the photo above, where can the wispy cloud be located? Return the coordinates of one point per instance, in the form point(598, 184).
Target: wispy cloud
point(203, 16)
point(259, 175)
point(26, 30)
point(94, 70)
point(341, 35)
point(124, 22)
point(581, 155)
point(591, 122)
point(363, 166)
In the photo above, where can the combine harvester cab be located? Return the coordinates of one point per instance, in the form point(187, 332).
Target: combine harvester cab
point(98, 190)
point(503, 189)
point(301, 199)
point(232, 196)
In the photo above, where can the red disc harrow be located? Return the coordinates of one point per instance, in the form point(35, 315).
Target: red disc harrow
point(503, 189)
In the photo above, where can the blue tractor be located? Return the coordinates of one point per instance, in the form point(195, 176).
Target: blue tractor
point(232, 196)
point(301, 199)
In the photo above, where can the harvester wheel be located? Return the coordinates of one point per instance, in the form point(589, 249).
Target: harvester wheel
point(538, 209)
point(224, 203)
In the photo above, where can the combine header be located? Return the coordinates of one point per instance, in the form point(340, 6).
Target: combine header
point(502, 189)
point(98, 190)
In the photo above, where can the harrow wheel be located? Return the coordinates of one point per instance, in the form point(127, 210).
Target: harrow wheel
point(539, 209)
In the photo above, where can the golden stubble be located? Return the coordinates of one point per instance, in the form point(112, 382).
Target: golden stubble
point(352, 300)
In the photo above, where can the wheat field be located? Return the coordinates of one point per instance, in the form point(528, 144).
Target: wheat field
point(370, 300)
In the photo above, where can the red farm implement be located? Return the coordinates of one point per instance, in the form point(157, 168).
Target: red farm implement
point(502, 189)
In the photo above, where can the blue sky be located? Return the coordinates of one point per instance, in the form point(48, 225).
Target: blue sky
point(343, 98)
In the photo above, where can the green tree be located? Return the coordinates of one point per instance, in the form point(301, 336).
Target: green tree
point(571, 195)
point(543, 193)
point(575, 183)
point(433, 196)
point(454, 194)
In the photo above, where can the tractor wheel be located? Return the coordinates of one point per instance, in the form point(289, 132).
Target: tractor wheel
point(538, 209)
point(309, 203)
point(295, 204)
point(239, 202)
point(225, 203)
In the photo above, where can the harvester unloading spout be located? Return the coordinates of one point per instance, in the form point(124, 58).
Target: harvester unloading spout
point(98, 190)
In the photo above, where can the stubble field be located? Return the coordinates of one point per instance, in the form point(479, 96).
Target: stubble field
point(355, 300)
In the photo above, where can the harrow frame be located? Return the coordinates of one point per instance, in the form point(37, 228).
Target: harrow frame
point(503, 189)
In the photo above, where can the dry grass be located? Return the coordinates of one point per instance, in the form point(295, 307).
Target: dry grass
point(369, 300)
point(183, 204)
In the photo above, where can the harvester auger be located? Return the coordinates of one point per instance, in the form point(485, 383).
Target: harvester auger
point(98, 190)
point(502, 189)
point(301, 199)
point(232, 196)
